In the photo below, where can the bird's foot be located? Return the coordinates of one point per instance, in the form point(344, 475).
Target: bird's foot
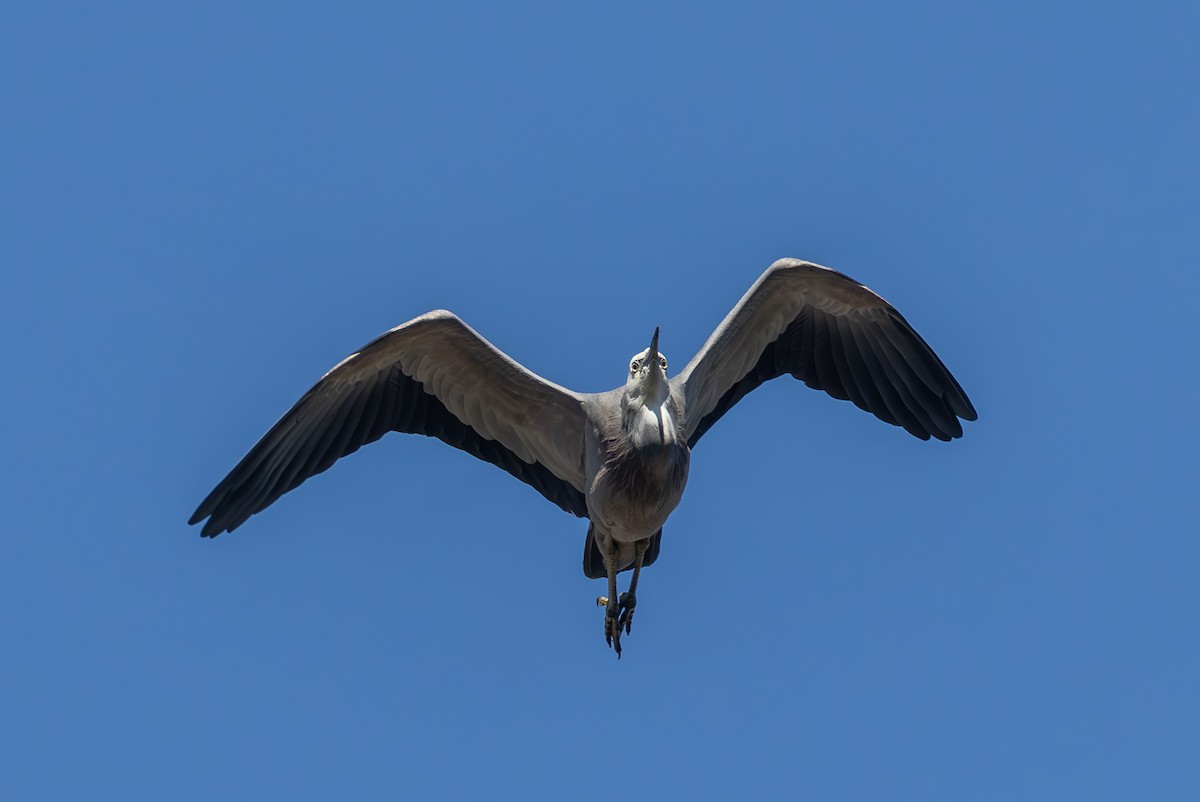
point(618, 615)
point(627, 603)
point(612, 626)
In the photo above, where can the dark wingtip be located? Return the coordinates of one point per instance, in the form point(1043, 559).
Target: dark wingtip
point(211, 528)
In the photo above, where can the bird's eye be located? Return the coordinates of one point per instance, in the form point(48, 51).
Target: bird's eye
point(662, 360)
point(635, 366)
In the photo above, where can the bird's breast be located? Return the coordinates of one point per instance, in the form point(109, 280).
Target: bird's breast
point(637, 488)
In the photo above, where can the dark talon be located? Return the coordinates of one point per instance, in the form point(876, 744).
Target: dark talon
point(628, 602)
point(612, 634)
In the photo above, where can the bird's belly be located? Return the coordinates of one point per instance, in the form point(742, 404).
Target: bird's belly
point(632, 498)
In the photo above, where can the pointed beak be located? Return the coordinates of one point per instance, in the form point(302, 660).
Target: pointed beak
point(652, 357)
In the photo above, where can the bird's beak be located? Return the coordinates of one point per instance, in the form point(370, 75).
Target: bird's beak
point(652, 357)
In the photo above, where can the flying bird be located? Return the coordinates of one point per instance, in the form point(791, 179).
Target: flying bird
point(618, 458)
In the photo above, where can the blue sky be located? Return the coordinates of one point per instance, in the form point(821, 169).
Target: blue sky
point(202, 208)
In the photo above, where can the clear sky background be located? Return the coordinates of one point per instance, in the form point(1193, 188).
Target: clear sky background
point(204, 207)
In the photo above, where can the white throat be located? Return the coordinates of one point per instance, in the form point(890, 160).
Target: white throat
point(650, 417)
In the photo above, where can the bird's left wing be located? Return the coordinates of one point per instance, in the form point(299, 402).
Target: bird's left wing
point(833, 334)
point(433, 376)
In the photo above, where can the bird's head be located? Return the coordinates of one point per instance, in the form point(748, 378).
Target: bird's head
point(648, 374)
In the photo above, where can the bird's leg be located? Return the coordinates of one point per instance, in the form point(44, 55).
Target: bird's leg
point(629, 599)
point(612, 629)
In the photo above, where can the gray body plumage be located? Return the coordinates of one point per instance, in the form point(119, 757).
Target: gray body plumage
point(619, 458)
point(636, 461)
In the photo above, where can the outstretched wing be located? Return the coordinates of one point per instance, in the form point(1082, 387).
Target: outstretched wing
point(833, 334)
point(433, 376)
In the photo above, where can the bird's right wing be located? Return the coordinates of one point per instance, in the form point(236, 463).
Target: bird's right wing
point(433, 376)
point(833, 334)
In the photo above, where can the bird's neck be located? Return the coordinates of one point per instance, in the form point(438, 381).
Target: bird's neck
point(650, 421)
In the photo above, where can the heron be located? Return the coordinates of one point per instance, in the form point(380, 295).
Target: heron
point(618, 458)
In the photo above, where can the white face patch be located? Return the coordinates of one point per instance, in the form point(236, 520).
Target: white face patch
point(639, 361)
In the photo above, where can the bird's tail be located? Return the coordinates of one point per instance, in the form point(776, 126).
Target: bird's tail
point(593, 560)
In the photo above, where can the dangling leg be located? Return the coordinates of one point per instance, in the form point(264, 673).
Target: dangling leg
point(612, 628)
point(629, 599)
